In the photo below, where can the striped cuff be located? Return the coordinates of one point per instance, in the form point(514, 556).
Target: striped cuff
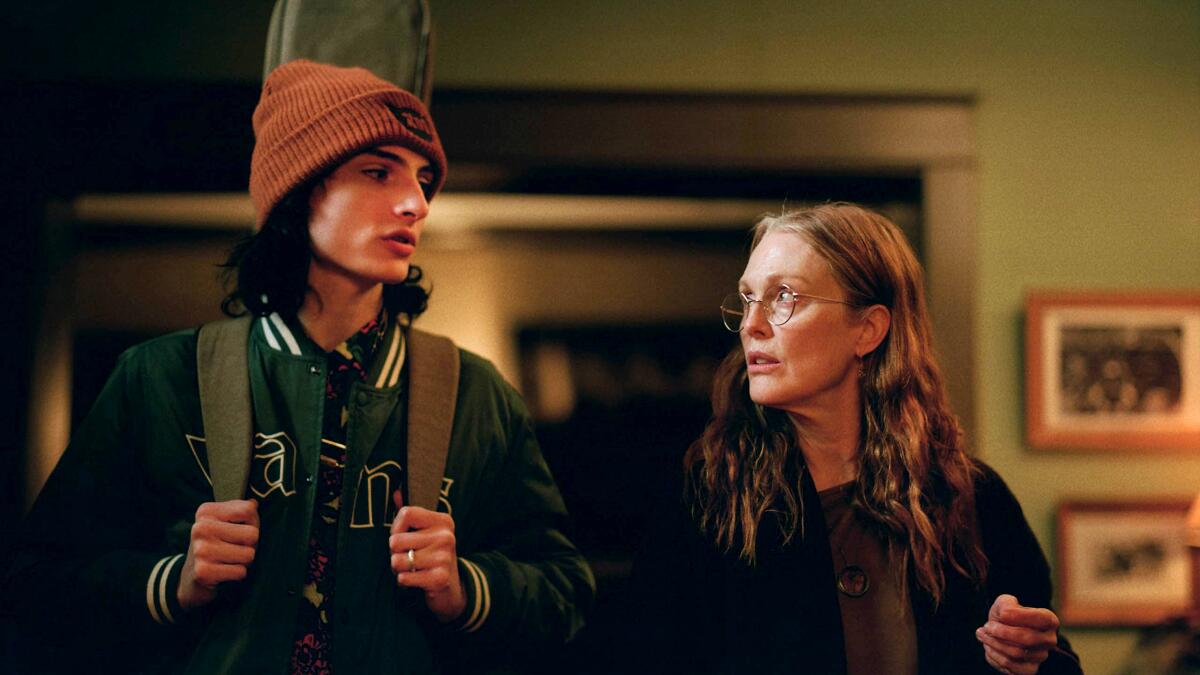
point(161, 599)
point(479, 595)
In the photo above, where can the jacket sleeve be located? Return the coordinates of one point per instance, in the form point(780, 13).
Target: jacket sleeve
point(1016, 564)
point(87, 560)
point(527, 586)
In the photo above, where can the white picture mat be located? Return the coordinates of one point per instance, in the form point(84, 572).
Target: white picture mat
point(1185, 417)
point(1095, 538)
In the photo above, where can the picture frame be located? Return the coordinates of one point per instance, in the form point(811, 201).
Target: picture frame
point(1123, 562)
point(1112, 370)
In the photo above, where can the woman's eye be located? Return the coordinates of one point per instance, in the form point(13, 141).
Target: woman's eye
point(785, 295)
point(377, 174)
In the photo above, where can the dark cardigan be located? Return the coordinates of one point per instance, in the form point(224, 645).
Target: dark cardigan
point(701, 611)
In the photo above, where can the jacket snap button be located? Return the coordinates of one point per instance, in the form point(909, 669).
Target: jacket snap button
point(315, 370)
point(308, 480)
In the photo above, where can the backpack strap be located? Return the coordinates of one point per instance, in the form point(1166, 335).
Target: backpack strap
point(433, 363)
point(222, 368)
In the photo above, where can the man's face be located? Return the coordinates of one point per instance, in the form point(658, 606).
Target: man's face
point(366, 217)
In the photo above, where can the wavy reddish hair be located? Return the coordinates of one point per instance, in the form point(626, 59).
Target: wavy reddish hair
point(915, 479)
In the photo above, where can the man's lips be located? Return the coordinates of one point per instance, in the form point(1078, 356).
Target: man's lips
point(401, 242)
point(403, 236)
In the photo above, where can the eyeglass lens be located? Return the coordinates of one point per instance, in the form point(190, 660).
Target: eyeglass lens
point(779, 305)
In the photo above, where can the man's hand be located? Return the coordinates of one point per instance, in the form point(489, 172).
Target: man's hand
point(224, 538)
point(1017, 639)
point(424, 556)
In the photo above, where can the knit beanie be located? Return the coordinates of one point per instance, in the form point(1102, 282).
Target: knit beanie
point(311, 117)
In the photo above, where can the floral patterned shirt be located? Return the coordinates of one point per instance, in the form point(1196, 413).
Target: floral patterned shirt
point(347, 363)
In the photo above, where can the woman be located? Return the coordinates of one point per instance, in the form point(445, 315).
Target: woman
point(832, 520)
point(396, 519)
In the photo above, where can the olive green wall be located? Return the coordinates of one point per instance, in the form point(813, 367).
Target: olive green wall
point(1088, 132)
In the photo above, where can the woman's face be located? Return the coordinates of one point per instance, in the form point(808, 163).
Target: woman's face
point(366, 217)
point(808, 364)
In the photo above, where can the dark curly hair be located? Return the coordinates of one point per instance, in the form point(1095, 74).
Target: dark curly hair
point(268, 271)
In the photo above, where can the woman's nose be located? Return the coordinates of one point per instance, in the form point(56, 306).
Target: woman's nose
point(755, 322)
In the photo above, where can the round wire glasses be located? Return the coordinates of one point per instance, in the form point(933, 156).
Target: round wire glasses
point(779, 303)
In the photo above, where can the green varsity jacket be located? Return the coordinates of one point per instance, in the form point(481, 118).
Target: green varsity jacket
point(102, 550)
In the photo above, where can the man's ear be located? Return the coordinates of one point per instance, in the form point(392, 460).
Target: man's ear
point(317, 192)
point(874, 324)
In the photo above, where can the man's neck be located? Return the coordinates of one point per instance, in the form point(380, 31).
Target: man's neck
point(335, 310)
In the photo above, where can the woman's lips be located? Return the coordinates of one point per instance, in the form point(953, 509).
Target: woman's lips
point(758, 363)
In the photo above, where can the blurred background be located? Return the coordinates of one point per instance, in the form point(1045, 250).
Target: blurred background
point(606, 161)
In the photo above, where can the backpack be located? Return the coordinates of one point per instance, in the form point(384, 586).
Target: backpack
point(222, 368)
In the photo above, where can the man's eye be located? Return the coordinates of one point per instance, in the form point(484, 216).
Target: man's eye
point(377, 174)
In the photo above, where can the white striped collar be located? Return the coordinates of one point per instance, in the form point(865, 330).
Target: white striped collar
point(393, 351)
point(273, 325)
point(389, 358)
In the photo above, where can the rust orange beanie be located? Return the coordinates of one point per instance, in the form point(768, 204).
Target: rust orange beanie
point(311, 117)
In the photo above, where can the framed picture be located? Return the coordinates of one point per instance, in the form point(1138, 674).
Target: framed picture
point(1112, 371)
point(1123, 563)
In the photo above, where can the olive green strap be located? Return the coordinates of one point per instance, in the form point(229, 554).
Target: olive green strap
point(433, 365)
point(224, 375)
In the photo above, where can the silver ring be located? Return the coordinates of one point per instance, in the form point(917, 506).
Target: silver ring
point(412, 561)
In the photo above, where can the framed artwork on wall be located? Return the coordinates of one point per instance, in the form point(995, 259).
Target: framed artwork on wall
point(1123, 563)
point(1112, 371)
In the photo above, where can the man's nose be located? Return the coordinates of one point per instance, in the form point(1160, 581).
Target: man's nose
point(410, 201)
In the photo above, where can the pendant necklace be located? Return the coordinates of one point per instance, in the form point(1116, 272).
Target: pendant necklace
point(852, 580)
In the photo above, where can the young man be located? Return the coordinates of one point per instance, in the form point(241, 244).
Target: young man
point(326, 564)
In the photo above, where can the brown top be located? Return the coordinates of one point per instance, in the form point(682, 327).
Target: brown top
point(877, 619)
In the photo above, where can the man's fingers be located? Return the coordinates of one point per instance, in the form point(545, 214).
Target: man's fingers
point(422, 558)
point(417, 518)
point(431, 580)
point(222, 545)
point(421, 539)
point(210, 574)
point(223, 552)
point(398, 500)
point(243, 511)
point(233, 533)
point(252, 520)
